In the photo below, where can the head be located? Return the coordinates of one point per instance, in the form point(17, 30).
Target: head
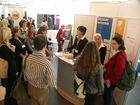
point(15, 32)
point(5, 35)
point(40, 42)
point(81, 30)
point(9, 14)
point(42, 30)
point(98, 38)
point(117, 43)
point(31, 31)
point(62, 26)
point(89, 57)
point(24, 23)
point(2, 16)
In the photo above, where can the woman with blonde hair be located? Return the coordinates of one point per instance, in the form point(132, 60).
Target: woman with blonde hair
point(88, 69)
point(102, 48)
point(7, 53)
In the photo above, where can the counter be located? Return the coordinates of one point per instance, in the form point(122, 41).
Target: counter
point(64, 74)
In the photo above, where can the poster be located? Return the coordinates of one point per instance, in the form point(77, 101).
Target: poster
point(104, 26)
point(120, 27)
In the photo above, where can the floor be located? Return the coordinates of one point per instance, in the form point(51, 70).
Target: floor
point(54, 99)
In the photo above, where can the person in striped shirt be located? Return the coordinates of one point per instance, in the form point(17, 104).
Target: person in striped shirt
point(39, 73)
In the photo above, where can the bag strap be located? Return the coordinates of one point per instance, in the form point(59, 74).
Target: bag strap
point(23, 66)
point(127, 62)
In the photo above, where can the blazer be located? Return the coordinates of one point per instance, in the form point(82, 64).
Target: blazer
point(115, 67)
point(78, 46)
point(102, 52)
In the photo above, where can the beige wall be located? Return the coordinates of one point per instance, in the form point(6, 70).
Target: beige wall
point(128, 9)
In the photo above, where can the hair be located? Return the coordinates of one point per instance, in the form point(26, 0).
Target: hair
point(41, 29)
point(98, 34)
point(120, 41)
point(89, 58)
point(40, 42)
point(62, 26)
point(4, 35)
point(82, 29)
point(29, 35)
point(14, 30)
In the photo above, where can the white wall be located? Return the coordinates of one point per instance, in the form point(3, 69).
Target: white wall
point(129, 9)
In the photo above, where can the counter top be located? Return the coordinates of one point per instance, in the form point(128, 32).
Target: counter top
point(63, 57)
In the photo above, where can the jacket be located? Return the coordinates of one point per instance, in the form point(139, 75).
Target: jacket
point(78, 46)
point(93, 81)
point(115, 67)
point(9, 56)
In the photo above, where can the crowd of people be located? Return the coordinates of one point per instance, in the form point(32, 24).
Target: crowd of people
point(16, 43)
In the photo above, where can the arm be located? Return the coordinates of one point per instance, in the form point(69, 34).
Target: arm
point(50, 74)
point(100, 80)
point(118, 69)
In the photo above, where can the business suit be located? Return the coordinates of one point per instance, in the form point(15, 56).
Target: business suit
point(78, 46)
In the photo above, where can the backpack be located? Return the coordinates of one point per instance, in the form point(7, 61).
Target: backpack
point(128, 78)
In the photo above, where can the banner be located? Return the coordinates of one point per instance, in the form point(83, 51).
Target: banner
point(120, 27)
point(104, 26)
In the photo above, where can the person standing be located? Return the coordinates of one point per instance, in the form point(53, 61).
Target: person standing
point(29, 38)
point(59, 37)
point(102, 48)
point(114, 69)
point(21, 48)
point(88, 69)
point(7, 52)
point(39, 73)
point(80, 41)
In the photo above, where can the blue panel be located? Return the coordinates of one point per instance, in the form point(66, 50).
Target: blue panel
point(104, 26)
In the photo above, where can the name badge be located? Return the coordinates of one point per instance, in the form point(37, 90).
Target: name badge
point(23, 46)
point(76, 51)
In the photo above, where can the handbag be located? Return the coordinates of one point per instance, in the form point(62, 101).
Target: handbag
point(3, 69)
point(19, 91)
point(80, 91)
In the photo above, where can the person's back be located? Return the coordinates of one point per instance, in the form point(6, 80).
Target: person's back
point(37, 70)
point(39, 73)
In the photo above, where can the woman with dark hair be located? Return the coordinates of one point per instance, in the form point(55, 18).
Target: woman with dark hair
point(114, 69)
point(88, 69)
point(80, 41)
point(29, 38)
point(23, 29)
point(21, 49)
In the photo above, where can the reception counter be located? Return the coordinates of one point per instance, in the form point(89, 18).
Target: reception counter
point(64, 74)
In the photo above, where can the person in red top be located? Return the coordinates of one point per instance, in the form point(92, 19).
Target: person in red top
point(114, 69)
point(59, 37)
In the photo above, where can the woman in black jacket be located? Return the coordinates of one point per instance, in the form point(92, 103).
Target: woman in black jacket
point(21, 49)
point(102, 48)
point(7, 53)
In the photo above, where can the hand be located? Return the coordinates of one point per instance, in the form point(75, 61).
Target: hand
point(12, 48)
point(49, 58)
point(65, 51)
